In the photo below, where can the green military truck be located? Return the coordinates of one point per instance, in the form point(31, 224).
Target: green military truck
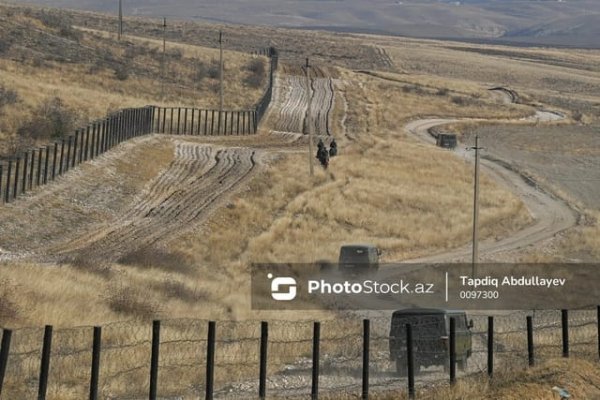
point(446, 140)
point(431, 333)
point(357, 258)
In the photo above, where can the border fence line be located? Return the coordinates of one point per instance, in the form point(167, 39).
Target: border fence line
point(247, 359)
point(38, 166)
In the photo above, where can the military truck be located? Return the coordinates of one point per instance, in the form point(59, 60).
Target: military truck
point(446, 140)
point(431, 338)
point(358, 258)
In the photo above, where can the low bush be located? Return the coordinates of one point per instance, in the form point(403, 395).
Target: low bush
point(52, 119)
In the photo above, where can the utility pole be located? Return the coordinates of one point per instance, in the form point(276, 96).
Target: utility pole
point(221, 76)
point(308, 122)
point(120, 29)
point(475, 256)
point(164, 59)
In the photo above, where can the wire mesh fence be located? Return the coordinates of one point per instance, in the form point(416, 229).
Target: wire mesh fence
point(284, 358)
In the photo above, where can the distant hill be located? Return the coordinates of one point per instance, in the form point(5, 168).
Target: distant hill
point(544, 22)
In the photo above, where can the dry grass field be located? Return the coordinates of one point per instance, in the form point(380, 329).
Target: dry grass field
point(386, 186)
point(44, 56)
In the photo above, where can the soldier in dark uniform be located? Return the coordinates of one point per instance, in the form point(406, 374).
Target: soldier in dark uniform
point(333, 148)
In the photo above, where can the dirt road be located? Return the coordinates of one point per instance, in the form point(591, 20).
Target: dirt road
point(551, 214)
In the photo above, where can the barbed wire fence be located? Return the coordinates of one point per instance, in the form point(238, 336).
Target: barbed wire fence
point(176, 359)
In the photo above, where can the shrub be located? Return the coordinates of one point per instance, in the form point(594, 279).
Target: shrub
point(126, 300)
point(8, 308)
point(5, 45)
point(51, 119)
point(7, 97)
point(256, 77)
point(122, 72)
point(200, 72)
point(442, 92)
point(459, 100)
point(213, 70)
point(151, 257)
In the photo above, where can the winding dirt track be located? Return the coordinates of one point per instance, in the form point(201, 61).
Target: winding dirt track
point(551, 214)
point(197, 180)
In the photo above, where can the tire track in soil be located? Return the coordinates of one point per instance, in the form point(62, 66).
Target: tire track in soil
point(196, 182)
point(291, 107)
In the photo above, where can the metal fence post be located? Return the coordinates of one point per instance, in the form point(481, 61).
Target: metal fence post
point(47, 157)
point(1, 187)
point(565, 332)
point(154, 359)
point(95, 373)
point(452, 350)
point(490, 347)
point(365, 360)
point(315, 361)
point(4, 351)
point(53, 162)
point(32, 169)
point(45, 363)
point(7, 187)
point(598, 327)
point(530, 350)
point(264, 343)
point(25, 168)
point(210, 359)
point(16, 182)
point(410, 359)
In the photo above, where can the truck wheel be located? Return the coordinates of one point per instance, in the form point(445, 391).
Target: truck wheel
point(401, 367)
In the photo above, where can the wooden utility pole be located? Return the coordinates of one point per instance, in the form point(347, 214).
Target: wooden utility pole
point(221, 100)
point(164, 59)
point(475, 255)
point(120, 29)
point(308, 122)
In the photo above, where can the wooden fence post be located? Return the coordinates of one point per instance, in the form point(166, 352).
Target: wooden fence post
point(210, 360)
point(62, 154)
point(69, 144)
point(45, 363)
point(171, 121)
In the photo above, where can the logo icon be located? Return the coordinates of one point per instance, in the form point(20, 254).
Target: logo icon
point(283, 288)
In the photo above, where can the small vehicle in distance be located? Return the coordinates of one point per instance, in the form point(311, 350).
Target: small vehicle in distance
point(446, 140)
point(357, 258)
point(430, 333)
